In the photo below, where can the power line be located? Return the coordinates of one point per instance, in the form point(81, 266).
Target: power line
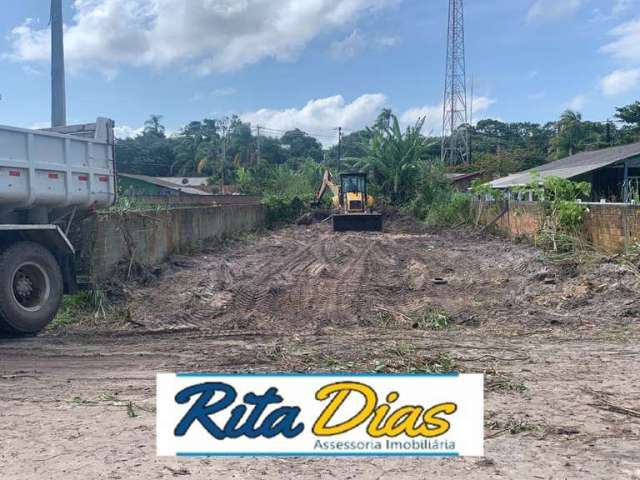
point(332, 134)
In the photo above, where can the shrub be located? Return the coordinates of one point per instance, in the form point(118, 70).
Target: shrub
point(281, 209)
point(453, 211)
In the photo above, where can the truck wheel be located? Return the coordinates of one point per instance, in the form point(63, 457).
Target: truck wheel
point(31, 288)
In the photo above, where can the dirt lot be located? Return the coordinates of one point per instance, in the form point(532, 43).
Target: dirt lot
point(558, 345)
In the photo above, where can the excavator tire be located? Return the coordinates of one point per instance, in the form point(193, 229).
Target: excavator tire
point(358, 222)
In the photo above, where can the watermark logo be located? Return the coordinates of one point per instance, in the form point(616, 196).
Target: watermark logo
point(319, 415)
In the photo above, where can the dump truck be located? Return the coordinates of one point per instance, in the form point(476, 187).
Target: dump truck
point(48, 179)
point(352, 203)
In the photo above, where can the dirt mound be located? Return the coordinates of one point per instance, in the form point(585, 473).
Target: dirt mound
point(396, 221)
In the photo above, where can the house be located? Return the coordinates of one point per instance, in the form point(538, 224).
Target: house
point(614, 173)
point(132, 185)
point(462, 181)
point(201, 183)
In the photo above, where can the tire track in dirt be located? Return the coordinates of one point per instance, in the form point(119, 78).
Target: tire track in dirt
point(301, 279)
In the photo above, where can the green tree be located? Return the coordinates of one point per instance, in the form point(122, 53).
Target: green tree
point(301, 145)
point(394, 158)
point(500, 164)
point(153, 126)
point(196, 148)
point(570, 134)
point(629, 114)
point(353, 146)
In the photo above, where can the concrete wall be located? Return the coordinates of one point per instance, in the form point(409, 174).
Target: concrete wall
point(149, 237)
point(193, 200)
point(608, 227)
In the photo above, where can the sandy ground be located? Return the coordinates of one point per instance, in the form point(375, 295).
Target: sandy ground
point(558, 345)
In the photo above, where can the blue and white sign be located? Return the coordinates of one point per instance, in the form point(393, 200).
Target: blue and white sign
point(319, 415)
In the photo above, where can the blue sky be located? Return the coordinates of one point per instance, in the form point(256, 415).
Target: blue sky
point(317, 64)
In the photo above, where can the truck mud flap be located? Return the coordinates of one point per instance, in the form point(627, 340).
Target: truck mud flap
point(358, 223)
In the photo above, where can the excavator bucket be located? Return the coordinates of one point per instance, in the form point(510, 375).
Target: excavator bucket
point(357, 222)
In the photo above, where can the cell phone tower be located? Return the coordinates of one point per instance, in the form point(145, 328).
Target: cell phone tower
point(58, 90)
point(455, 133)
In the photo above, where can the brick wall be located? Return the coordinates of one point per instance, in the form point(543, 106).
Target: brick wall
point(609, 227)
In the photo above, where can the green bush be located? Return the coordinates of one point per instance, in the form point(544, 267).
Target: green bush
point(433, 195)
point(286, 189)
point(281, 209)
point(452, 211)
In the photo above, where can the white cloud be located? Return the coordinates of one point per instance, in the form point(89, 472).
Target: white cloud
point(552, 9)
point(626, 50)
point(321, 115)
point(125, 131)
point(218, 92)
point(207, 35)
point(357, 42)
point(621, 81)
point(621, 6)
point(223, 92)
point(433, 114)
point(387, 41)
point(29, 70)
point(578, 102)
point(627, 46)
point(618, 8)
point(348, 47)
point(39, 125)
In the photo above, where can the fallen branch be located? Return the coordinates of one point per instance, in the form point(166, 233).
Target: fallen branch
point(396, 313)
point(604, 405)
point(493, 357)
point(497, 434)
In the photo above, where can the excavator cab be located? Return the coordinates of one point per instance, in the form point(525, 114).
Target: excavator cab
point(354, 192)
point(355, 206)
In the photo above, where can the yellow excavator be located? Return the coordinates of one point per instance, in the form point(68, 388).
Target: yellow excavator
point(351, 202)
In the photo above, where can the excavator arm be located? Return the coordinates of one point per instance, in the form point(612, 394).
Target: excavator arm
point(327, 184)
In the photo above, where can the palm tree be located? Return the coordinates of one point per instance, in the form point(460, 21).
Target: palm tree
point(394, 157)
point(153, 126)
point(570, 133)
point(383, 122)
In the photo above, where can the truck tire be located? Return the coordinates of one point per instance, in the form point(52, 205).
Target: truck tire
point(31, 288)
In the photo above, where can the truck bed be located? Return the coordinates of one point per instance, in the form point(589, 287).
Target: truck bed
point(65, 167)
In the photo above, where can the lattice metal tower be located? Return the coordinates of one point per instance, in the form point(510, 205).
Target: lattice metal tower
point(455, 134)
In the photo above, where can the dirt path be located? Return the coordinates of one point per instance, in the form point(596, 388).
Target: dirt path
point(556, 344)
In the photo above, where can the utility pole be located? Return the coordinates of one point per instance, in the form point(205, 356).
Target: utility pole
point(455, 139)
point(58, 94)
point(224, 157)
point(339, 149)
point(469, 144)
point(259, 145)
